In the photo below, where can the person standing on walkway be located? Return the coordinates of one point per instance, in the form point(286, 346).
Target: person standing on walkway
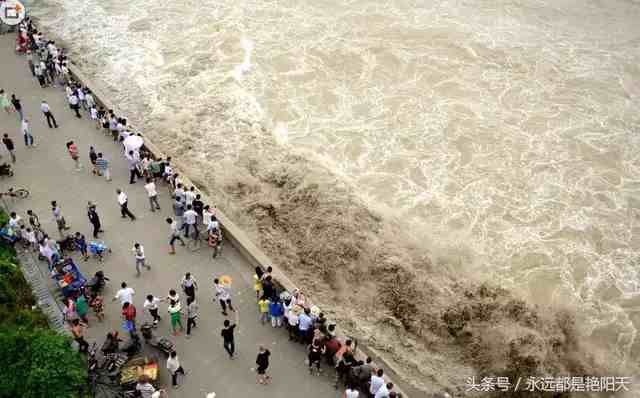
point(192, 314)
point(40, 71)
point(11, 148)
point(102, 165)
point(223, 296)
point(34, 221)
point(150, 187)
point(174, 367)
point(93, 156)
point(123, 201)
point(129, 315)
point(125, 294)
point(189, 285)
point(227, 338)
point(74, 104)
point(17, 105)
point(57, 215)
point(262, 360)
point(190, 222)
point(133, 159)
point(138, 251)
point(151, 305)
point(29, 57)
point(4, 102)
point(26, 132)
point(72, 148)
point(94, 219)
point(190, 196)
point(174, 311)
point(78, 335)
point(178, 210)
point(46, 111)
point(175, 235)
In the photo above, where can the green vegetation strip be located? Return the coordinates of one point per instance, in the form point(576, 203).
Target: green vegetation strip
point(35, 361)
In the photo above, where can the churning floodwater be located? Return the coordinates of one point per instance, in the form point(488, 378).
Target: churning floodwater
point(508, 130)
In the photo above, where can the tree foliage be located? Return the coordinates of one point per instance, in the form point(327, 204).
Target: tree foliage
point(39, 363)
point(35, 362)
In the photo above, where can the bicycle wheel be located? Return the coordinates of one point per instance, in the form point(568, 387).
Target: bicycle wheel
point(21, 193)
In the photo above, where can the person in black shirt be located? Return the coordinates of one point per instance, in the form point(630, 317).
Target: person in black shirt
point(10, 147)
point(17, 105)
point(94, 219)
point(227, 337)
point(262, 360)
point(198, 207)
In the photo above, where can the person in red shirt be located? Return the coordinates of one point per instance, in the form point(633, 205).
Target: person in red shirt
point(129, 315)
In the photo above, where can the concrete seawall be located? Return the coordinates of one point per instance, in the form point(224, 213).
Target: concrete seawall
point(239, 239)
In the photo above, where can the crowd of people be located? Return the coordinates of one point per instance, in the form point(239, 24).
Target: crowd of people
point(304, 323)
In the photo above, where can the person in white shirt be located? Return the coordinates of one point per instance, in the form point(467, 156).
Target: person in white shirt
point(138, 251)
point(88, 98)
point(174, 367)
point(223, 296)
point(189, 196)
point(351, 392)
point(81, 98)
point(133, 160)
point(189, 285)
point(144, 387)
point(125, 294)
point(73, 104)
point(377, 381)
point(14, 221)
point(30, 237)
point(151, 305)
point(150, 187)
point(384, 390)
point(175, 235)
point(190, 218)
point(28, 138)
point(123, 201)
point(207, 214)
point(46, 111)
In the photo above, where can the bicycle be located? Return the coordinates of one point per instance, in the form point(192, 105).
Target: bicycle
point(19, 193)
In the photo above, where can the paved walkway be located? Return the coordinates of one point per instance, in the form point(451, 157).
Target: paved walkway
point(48, 172)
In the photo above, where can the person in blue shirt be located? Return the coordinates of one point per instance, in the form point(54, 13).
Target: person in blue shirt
point(81, 243)
point(305, 326)
point(276, 310)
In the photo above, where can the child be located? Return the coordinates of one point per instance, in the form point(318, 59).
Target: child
point(96, 304)
point(174, 311)
point(257, 284)
point(81, 242)
point(94, 116)
point(263, 308)
point(276, 311)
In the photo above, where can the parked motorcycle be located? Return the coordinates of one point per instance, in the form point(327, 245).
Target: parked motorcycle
point(161, 343)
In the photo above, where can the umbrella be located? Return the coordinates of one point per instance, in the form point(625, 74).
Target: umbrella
point(133, 142)
point(225, 280)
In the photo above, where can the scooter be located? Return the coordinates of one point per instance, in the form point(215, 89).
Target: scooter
point(115, 359)
point(161, 343)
